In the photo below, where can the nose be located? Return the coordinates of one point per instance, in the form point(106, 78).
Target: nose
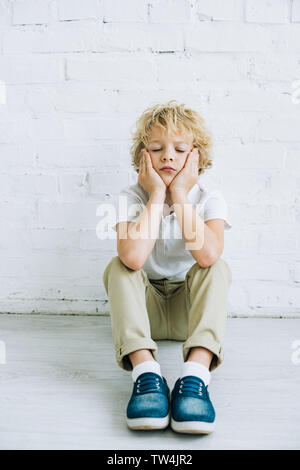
point(168, 155)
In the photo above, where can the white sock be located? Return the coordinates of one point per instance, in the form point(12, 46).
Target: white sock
point(146, 366)
point(197, 369)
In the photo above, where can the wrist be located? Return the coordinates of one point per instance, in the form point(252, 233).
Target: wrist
point(159, 193)
point(178, 191)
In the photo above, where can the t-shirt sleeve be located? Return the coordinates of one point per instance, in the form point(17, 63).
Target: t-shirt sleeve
point(216, 208)
point(129, 206)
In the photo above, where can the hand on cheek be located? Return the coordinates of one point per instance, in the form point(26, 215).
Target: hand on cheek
point(188, 175)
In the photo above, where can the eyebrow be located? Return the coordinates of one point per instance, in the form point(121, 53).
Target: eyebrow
point(176, 142)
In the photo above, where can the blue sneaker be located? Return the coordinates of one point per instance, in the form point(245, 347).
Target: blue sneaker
point(191, 408)
point(148, 407)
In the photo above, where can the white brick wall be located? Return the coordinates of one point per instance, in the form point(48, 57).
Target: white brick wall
point(77, 74)
point(267, 11)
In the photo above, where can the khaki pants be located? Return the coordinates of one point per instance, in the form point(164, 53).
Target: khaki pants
point(193, 310)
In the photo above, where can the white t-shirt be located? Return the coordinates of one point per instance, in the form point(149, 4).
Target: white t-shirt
point(169, 258)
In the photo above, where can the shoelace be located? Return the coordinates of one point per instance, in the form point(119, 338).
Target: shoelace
point(148, 384)
point(191, 384)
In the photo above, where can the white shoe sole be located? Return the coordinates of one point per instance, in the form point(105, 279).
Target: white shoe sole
point(148, 423)
point(192, 427)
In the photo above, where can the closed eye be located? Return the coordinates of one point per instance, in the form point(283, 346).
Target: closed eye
point(157, 150)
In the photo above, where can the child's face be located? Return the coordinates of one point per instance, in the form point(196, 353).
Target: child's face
point(168, 150)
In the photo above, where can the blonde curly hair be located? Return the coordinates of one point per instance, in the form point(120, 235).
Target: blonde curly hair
point(172, 117)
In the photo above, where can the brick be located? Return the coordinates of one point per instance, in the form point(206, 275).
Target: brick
point(125, 37)
point(96, 129)
point(249, 98)
point(13, 130)
point(41, 99)
point(104, 182)
point(251, 213)
point(5, 15)
point(283, 129)
point(11, 265)
point(114, 11)
point(80, 98)
point(54, 240)
point(259, 155)
point(174, 70)
point(90, 242)
point(48, 288)
point(292, 41)
point(61, 155)
point(227, 37)
point(61, 39)
point(142, 37)
point(273, 66)
point(78, 10)
point(218, 10)
point(17, 155)
point(261, 185)
point(17, 213)
point(296, 274)
point(279, 241)
point(242, 241)
point(73, 186)
point(46, 128)
point(81, 307)
point(170, 11)
point(279, 300)
point(31, 69)
point(3, 93)
point(62, 266)
point(233, 126)
point(28, 185)
point(15, 240)
point(116, 71)
point(67, 215)
point(292, 162)
point(258, 269)
point(296, 11)
point(267, 11)
point(30, 12)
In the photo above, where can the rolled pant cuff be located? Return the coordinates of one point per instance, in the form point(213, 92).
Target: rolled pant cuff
point(131, 346)
point(208, 343)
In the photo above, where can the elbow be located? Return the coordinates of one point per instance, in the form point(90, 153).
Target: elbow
point(208, 260)
point(134, 265)
point(132, 262)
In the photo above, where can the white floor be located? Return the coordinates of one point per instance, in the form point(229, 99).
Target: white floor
point(61, 388)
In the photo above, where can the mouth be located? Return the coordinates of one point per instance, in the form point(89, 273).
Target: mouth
point(168, 169)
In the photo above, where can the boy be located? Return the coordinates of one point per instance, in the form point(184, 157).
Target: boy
point(162, 286)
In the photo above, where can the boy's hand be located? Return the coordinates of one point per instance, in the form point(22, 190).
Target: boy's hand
point(188, 175)
point(148, 178)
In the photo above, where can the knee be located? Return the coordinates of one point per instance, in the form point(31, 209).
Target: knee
point(224, 267)
point(116, 267)
point(116, 264)
point(113, 262)
point(219, 266)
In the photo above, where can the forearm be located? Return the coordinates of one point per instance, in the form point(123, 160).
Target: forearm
point(143, 234)
point(200, 240)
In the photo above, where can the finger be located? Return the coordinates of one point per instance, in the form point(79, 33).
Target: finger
point(190, 159)
point(196, 159)
point(142, 162)
point(148, 161)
